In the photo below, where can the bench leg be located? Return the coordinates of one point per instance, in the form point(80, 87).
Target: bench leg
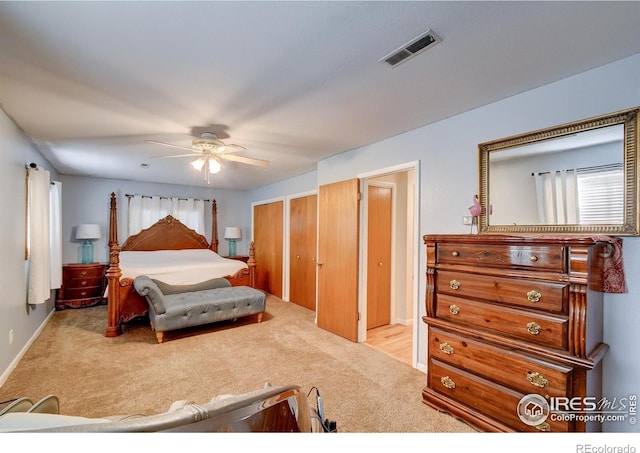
point(259, 317)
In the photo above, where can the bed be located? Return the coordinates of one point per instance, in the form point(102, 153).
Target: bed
point(167, 251)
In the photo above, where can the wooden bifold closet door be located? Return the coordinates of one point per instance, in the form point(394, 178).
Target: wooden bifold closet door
point(302, 257)
point(267, 234)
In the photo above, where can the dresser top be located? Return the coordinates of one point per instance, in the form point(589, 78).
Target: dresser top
point(512, 239)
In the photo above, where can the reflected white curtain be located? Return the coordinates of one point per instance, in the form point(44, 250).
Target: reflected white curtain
point(55, 233)
point(144, 211)
point(557, 196)
point(38, 236)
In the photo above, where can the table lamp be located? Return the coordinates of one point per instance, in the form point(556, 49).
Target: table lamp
point(232, 234)
point(88, 232)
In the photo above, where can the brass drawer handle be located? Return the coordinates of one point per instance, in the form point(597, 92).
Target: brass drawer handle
point(83, 282)
point(454, 309)
point(454, 284)
point(544, 426)
point(533, 258)
point(447, 382)
point(534, 296)
point(83, 273)
point(83, 293)
point(533, 328)
point(537, 379)
point(455, 253)
point(446, 348)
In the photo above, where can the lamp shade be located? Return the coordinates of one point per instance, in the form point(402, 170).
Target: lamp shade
point(232, 233)
point(88, 231)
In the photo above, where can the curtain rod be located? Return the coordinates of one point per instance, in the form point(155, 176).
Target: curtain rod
point(595, 168)
point(34, 166)
point(128, 195)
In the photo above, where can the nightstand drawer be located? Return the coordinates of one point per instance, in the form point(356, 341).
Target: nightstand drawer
point(77, 271)
point(485, 396)
point(82, 282)
point(83, 293)
point(535, 327)
point(532, 294)
point(526, 374)
point(535, 257)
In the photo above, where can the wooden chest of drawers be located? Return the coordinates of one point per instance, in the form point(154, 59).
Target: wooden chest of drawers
point(513, 316)
point(83, 285)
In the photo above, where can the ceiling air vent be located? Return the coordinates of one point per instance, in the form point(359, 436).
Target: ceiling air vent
point(412, 48)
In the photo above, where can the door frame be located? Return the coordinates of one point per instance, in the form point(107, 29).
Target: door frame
point(415, 244)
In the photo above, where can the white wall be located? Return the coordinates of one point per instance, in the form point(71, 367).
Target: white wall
point(15, 314)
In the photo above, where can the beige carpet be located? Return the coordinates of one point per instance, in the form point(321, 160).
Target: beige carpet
point(364, 390)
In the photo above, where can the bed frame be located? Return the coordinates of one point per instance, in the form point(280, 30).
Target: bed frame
point(123, 302)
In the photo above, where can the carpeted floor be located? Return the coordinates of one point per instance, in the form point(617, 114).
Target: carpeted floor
point(364, 390)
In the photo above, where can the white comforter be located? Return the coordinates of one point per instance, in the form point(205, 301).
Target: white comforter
point(178, 267)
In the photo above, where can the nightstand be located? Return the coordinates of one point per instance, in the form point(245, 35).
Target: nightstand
point(83, 285)
point(244, 258)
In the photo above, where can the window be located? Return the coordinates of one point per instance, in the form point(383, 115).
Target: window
point(144, 211)
point(601, 195)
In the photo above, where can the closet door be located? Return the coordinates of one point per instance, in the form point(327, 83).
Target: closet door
point(338, 228)
point(378, 256)
point(267, 235)
point(302, 258)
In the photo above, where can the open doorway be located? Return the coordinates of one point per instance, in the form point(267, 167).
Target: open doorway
point(389, 293)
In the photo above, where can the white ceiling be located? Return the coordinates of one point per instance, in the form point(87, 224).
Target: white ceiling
point(292, 81)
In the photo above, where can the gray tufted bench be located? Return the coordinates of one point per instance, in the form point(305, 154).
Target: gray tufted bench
point(174, 307)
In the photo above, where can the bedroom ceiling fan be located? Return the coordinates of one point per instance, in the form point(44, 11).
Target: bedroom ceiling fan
point(209, 152)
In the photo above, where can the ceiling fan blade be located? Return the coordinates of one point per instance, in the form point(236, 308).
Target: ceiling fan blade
point(169, 144)
point(245, 160)
point(177, 155)
point(228, 149)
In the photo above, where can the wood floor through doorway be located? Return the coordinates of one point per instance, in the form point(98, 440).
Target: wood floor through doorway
point(394, 340)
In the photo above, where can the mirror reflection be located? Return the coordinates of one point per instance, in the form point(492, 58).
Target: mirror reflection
point(576, 178)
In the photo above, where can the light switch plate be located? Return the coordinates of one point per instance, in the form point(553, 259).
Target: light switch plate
point(467, 220)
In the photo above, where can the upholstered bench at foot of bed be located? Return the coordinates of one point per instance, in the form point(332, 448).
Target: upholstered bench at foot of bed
point(173, 307)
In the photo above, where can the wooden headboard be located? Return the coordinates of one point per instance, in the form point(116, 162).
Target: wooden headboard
point(166, 234)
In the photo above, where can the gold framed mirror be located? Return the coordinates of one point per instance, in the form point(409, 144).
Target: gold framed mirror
point(576, 178)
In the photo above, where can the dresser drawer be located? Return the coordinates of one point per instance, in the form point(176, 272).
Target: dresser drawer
point(533, 294)
point(520, 372)
point(535, 327)
point(531, 257)
point(484, 396)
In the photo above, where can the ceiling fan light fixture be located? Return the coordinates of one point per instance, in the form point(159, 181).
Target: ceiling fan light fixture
point(214, 166)
point(198, 163)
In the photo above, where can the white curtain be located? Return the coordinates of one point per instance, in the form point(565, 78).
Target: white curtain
point(39, 279)
point(144, 211)
point(190, 212)
point(55, 233)
point(557, 195)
